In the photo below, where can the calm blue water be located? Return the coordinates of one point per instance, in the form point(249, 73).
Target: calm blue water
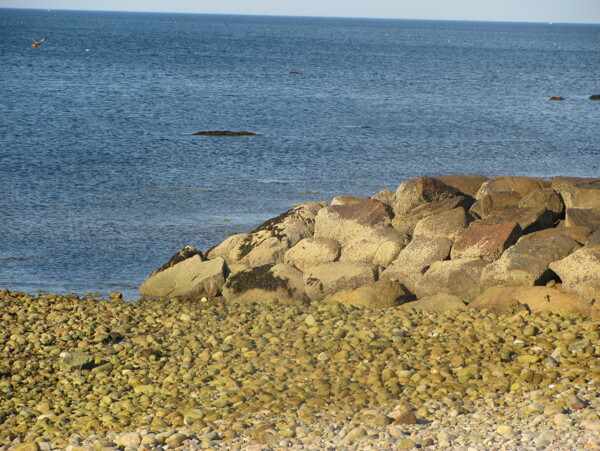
point(101, 182)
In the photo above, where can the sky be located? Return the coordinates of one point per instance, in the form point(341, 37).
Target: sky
point(573, 11)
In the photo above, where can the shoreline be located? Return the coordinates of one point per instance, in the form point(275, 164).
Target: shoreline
point(226, 375)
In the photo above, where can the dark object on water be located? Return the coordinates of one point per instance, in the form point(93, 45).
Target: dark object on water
point(557, 98)
point(594, 97)
point(295, 73)
point(37, 43)
point(225, 133)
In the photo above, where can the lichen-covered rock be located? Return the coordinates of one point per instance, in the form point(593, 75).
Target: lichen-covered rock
point(583, 217)
point(535, 299)
point(75, 360)
point(546, 198)
point(578, 192)
point(179, 256)
point(406, 222)
point(313, 252)
point(439, 302)
point(189, 279)
point(579, 269)
point(528, 261)
point(346, 222)
point(460, 278)
point(380, 294)
point(282, 283)
point(379, 246)
point(415, 258)
point(329, 278)
point(468, 183)
point(422, 190)
point(490, 202)
point(529, 219)
point(520, 185)
point(486, 242)
point(386, 196)
point(443, 224)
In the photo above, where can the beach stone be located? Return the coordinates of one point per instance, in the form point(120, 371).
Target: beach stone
point(519, 185)
point(379, 246)
point(410, 265)
point(281, 282)
point(405, 444)
point(421, 190)
point(406, 222)
point(468, 184)
point(311, 252)
point(488, 203)
point(380, 294)
point(356, 434)
point(527, 262)
point(75, 360)
point(457, 277)
point(125, 439)
point(344, 223)
point(405, 417)
point(192, 278)
point(444, 224)
point(586, 217)
point(486, 242)
point(536, 299)
point(529, 219)
point(546, 198)
point(505, 430)
point(329, 278)
point(179, 256)
point(439, 302)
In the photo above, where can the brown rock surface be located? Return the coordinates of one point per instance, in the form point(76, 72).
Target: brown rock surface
point(313, 252)
point(490, 202)
point(486, 242)
point(458, 277)
point(379, 246)
point(579, 268)
point(444, 224)
point(329, 278)
point(468, 183)
point(535, 299)
point(586, 217)
point(578, 192)
point(520, 185)
point(439, 302)
point(529, 219)
point(421, 190)
point(546, 198)
point(189, 279)
point(380, 294)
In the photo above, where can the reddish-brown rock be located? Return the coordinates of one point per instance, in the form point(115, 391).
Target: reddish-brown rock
point(468, 184)
point(486, 242)
point(529, 219)
point(421, 190)
point(488, 203)
point(520, 185)
point(585, 217)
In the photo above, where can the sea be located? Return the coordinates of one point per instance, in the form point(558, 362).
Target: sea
point(102, 178)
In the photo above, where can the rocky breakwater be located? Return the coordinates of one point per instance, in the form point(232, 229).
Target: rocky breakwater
point(436, 243)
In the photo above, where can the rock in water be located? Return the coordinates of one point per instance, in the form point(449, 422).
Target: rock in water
point(225, 133)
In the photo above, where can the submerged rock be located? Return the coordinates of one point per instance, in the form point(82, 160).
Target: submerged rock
point(225, 133)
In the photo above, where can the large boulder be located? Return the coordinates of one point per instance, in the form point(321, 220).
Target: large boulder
point(380, 294)
point(422, 190)
point(528, 261)
point(386, 196)
point(414, 260)
point(313, 252)
point(329, 278)
point(520, 185)
point(460, 278)
point(486, 242)
point(379, 246)
point(191, 278)
point(578, 192)
point(488, 203)
point(529, 219)
point(535, 299)
point(345, 222)
point(546, 198)
point(468, 184)
point(439, 302)
point(586, 217)
point(282, 283)
point(267, 244)
point(179, 256)
point(580, 271)
point(406, 222)
point(580, 234)
point(443, 224)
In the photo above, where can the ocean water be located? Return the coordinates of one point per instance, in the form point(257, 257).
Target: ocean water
point(101, 180)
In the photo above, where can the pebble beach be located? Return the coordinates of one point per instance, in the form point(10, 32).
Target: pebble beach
point(86, 373)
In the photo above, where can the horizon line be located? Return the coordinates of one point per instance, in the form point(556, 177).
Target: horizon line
point(305, 16)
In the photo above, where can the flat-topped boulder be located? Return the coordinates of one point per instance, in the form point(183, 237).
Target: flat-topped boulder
point(468, 184)
point(311, 252)
point(535, 299)
point(583, 217)
point(460, 278)
point(578, 192)
point(485, 242)
point(379, 246)
point(380, 294)
point(529, 219)
point(491, 202)
point(329, 278)
point(422, 190)
point(443, 224)
point(519, 185)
